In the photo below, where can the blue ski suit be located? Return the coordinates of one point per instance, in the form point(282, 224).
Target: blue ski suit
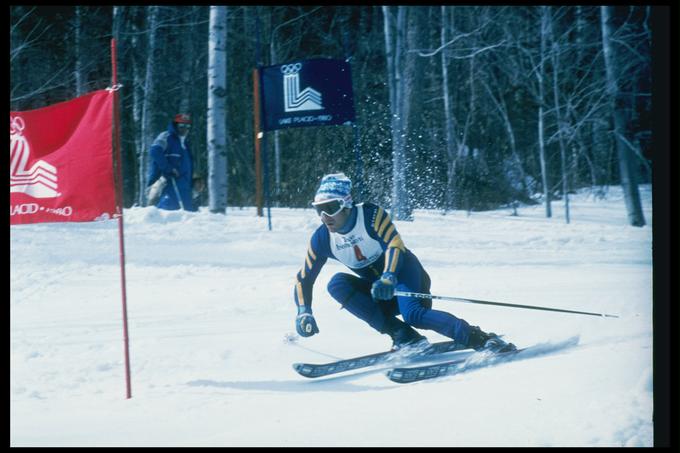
point(369, 245)
point(168, 154)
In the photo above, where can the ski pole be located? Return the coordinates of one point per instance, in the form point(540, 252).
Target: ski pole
point(179, 199)
point(486, 302)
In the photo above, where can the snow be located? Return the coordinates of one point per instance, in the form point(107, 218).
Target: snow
point(210, 304)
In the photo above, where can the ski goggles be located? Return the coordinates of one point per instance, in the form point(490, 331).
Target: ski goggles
point(329, 207)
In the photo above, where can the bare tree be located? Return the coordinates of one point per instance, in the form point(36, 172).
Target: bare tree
point(188, 57)
point(540, 74)
point(137, 90)
point(394, 49)
point(628, 176)
point(217, 110)
point(459, 46)
point(78, 46)
point(149, 100)
point(449, 120)
point(496, 97)
point(26, 58)
point(561, 124)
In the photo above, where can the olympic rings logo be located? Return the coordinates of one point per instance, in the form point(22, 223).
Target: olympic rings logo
point(16, 125)
point(293, 68)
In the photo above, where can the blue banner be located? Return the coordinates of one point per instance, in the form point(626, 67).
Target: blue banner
point(315, 92)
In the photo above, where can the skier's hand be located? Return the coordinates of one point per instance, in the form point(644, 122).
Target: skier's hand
point(173, 173)
point(383, 288)
point(305, 324)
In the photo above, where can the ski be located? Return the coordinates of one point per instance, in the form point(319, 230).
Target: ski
point(314, 370)
point(404, 375)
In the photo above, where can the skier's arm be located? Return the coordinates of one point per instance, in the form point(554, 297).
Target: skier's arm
point(305, 278)
point(157, 153)
point(316, 257)
point(390, 240)
point(386, 233)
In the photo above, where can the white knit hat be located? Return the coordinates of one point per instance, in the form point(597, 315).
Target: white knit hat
point(334, 186)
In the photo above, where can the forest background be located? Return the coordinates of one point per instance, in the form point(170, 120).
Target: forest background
point(458, 107)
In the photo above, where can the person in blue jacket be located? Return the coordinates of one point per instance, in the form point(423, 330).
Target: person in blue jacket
point(171, 160)
point(363, 238)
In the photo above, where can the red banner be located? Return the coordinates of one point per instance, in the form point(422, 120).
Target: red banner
point(61, 165)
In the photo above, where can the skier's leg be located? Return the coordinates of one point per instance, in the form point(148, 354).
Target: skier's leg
point(419, 313)
point(354, 294)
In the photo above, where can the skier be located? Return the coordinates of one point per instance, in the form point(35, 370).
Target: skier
point(363, 238)
point(169, 180)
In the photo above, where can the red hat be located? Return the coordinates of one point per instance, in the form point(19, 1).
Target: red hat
point(183, 118)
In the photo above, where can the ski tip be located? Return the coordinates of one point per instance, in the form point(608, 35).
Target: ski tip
point(569, 341)
point(396, 375)
point(303, 370)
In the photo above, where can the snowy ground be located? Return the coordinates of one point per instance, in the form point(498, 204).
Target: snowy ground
point(210, 301)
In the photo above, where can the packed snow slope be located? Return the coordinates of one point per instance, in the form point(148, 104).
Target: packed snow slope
point(210, 304)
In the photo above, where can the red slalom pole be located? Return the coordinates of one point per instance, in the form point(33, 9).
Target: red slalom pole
point(119, 193)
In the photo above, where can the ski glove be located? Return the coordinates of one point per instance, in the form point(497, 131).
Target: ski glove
point(173, 173)
point(383, 289)
point(305, 324)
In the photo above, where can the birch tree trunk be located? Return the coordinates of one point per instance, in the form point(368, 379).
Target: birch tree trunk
point(217, 110)
point(580, 148)
point(78, 45)
point(411, 93)
point(628, 176)
point(449, 125)
point(391, 76)
point(137, 100)
point(149, 101)
point(394, 49)
point(560, 123)
point(541, 98)
point(187, 65)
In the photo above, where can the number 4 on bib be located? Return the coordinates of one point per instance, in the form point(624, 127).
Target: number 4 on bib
point(357, 252)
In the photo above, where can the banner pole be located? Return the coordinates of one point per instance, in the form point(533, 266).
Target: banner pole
point(265, 163)
point(119, 207)
point(257, 140)
point(260, 133)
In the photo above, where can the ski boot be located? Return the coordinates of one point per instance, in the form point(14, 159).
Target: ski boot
point(404, 336)
point(482, 341)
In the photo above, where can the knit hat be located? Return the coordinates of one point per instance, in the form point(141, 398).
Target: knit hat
point(334, 186)
point(182, 118)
